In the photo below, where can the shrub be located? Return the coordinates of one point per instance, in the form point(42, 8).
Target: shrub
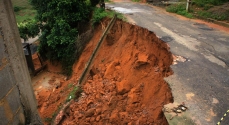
point(28, 29)
point(175, 8)
point(75, 93)
point(60, 19)
point(16, 9)
point(100, 13)
point(179, 9)
point(219, 16)
point(202, 3)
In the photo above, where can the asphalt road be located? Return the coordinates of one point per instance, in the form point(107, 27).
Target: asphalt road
point(202, 82)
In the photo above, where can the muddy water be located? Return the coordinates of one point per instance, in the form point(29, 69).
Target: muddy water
point(125, 84)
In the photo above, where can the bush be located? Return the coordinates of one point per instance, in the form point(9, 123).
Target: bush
point(221, 16)
point(100, 13)
point(74, 94)
point(16, 9)
point(94, 2)
point(202, 3)
point(175, 8)
point(60, 20)
point(28, 29)
point(179, 9)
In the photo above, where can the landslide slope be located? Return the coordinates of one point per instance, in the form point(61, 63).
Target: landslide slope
point(125, 84)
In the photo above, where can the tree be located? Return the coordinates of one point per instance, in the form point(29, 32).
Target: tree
point(58, 21)
point(94, 2)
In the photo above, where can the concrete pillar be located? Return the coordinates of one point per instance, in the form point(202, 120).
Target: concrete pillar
point(17, 101)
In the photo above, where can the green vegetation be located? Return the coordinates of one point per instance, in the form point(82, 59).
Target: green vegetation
point(74, 94)
point(28, 29)
point(219, 16)
point(100, 13)
point(203, 3)
point(203, 8)
point(23, 10)
point(58, 21)
point(70, 85)
point(179, 9)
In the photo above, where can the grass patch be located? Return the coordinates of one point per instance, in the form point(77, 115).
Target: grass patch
point(220, 17)
point(25, 15)
point(203, 3)
point(206, 11)
point(100, 13)
point(70, 85)
point(23, 10)
point(74, 94)
point(179, 9)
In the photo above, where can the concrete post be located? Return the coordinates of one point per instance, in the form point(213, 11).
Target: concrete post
point(187, 6)
point(17, 101)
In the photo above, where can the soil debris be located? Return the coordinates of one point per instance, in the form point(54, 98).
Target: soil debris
point(125, 84)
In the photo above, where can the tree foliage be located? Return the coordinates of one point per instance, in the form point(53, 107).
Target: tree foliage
point(59, 20)
point(28, 29)
point(94, 2)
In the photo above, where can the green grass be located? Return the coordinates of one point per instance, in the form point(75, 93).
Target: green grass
point(203, 3)
point(203, 13)
point(100, 13)
point(220, 17)
point(179, 9)
point(74, 94)
point(23, 10)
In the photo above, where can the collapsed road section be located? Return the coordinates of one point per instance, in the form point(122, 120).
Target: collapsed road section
point(125, 84)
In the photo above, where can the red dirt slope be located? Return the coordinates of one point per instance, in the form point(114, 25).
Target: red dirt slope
point(125, 84)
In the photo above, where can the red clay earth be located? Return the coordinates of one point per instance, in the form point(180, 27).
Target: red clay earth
point(36, 61)
point(125, 84)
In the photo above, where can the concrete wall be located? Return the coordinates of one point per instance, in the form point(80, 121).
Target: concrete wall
point(17, 101)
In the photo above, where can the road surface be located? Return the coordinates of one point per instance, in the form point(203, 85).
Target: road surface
point(202, 81)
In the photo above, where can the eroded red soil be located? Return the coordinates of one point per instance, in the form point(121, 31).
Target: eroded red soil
point(125, 84)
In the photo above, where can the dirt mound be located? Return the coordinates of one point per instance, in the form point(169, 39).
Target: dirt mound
point(126, 85)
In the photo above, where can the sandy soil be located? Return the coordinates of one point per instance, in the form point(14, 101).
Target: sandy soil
point(125, 84)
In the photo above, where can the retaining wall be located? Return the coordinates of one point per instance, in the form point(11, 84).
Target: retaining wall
point(17, 101)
